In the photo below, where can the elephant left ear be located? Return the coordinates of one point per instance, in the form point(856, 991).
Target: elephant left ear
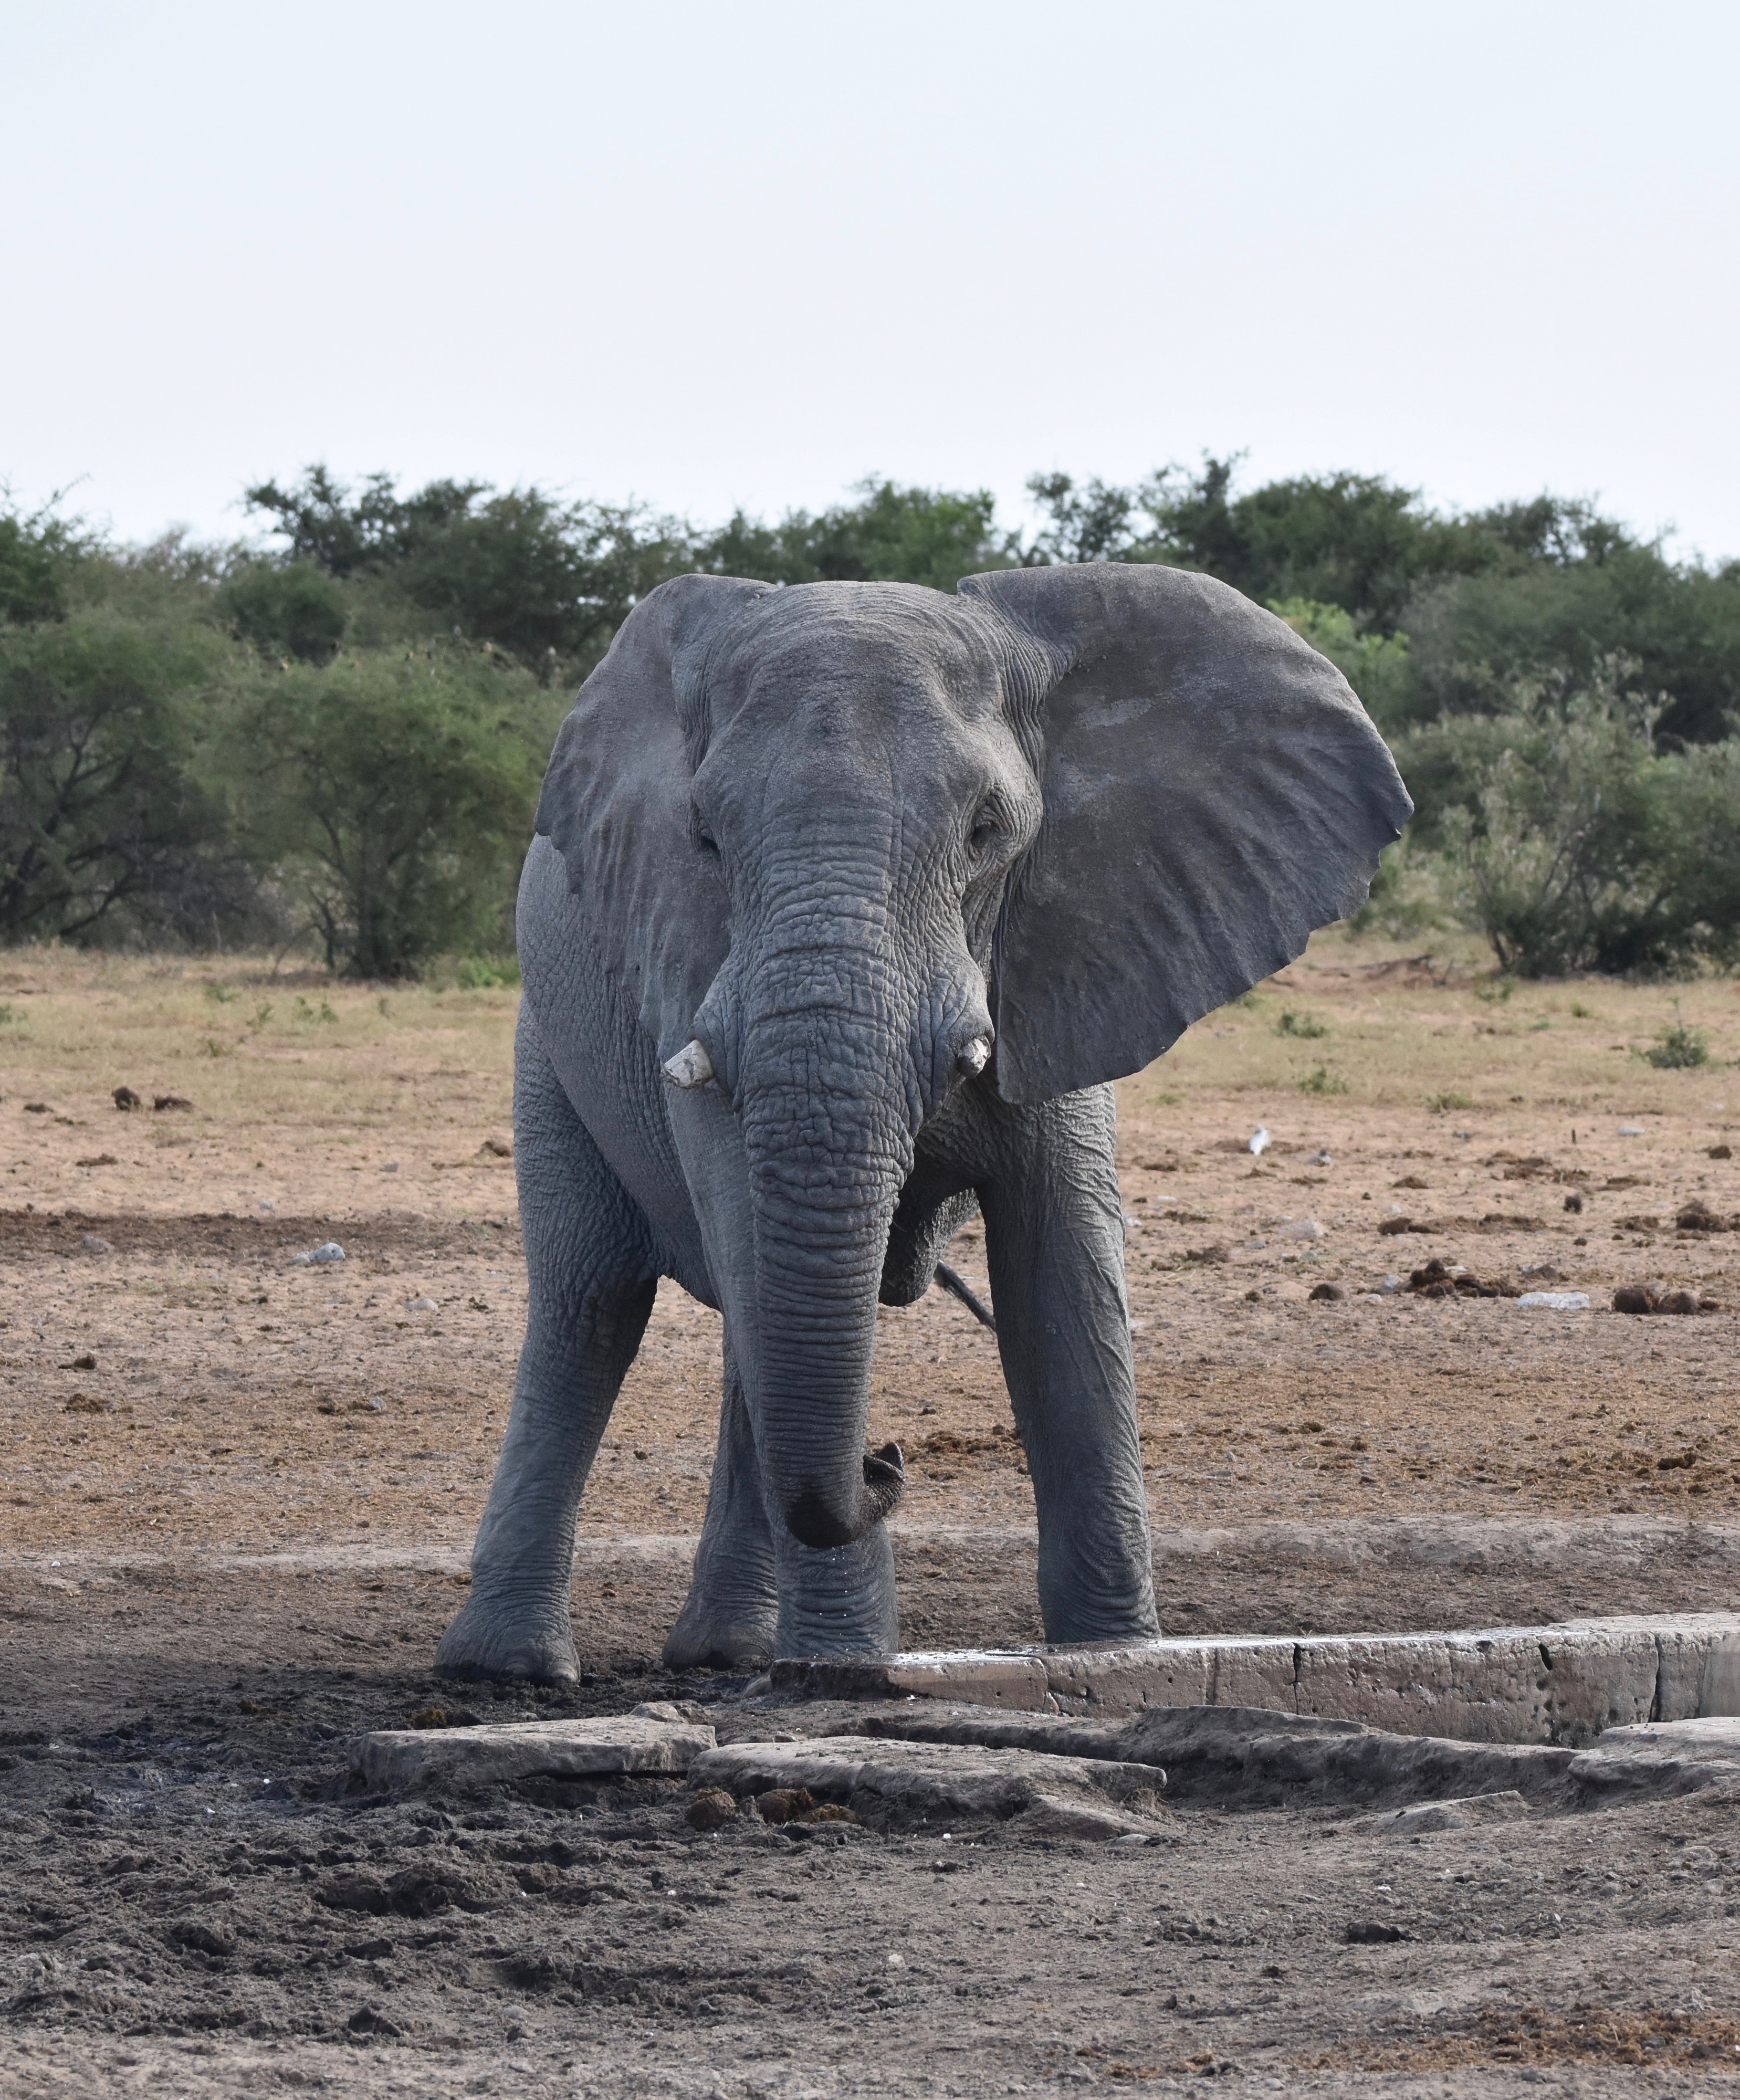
point(1213, 792)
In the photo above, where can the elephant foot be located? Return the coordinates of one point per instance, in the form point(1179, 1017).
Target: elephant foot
point(715, 1639)
point(488, 1640)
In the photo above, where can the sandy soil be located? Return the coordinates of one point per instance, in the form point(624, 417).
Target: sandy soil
point(240, 1491)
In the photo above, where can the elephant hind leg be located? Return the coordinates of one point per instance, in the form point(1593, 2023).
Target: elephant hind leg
point(592, 1276)
point(729, 1618)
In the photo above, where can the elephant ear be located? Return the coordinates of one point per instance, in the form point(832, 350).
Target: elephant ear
point(615, 803)
point(1213, 791)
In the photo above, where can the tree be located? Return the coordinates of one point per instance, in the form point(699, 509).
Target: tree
point(891, 534)
point(1472, 639)
point(394, 792)
point(548, 582)
point(108, 814)
point(35, 552)
point(293, 609)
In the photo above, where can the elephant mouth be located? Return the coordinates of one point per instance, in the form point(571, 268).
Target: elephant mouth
point(815, 1521)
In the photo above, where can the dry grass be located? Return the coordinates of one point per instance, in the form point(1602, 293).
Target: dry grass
point(231, 1399)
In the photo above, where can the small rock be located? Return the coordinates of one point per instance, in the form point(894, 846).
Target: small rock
point(171, 1101)
point(1544, 1272)
point(127, 1100)
point(36, 1108)
point(1320, 1159)
point(710, 1810)
point(1390, 1284)
point(1208, 1254)
point(388, 1166)
point(201, 1937)
point(94, 1243)
point(1300, 1228)
point(1555, 1301)
point(785, 1804)
point(86, 1403)
point(1574, 1201)
point(1260, 1141)
point(266, 1203)
point(419, 1305)
point(1374, 1932)
point(1631, 1130)
point(1721, 1152)
point(1328, 1293)
point(328, 1251)
point(499, 1148)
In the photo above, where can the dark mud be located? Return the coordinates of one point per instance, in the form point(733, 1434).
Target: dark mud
point(191, 1902)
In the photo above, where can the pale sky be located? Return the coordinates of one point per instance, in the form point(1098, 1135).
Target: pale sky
point(713, 255)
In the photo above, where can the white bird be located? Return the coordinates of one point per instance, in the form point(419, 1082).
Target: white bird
point(1260, 1140)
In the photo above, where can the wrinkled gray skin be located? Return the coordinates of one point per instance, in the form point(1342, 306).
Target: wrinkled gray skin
point(837, 834)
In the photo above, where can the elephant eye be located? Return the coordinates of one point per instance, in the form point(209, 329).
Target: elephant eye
point(985, 831)
point(705, 839)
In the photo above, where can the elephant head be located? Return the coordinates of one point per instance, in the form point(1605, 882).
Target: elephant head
point(836, 842)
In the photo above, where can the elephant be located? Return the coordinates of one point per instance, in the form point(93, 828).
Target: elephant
point(846, 904)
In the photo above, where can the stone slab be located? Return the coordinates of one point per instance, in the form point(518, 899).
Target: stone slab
point(1563, 1683)
point(1242, 1758)
point(1017, 1680)
point(1710, 1738)
point(394, 1760)
point(908, 1781)
point(1423, 1817)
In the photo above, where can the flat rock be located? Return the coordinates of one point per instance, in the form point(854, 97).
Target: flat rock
point(1246, 1758)
point(895, 1780)
point(393, 1760)
point(1709, 1738)
point(1472, 1812)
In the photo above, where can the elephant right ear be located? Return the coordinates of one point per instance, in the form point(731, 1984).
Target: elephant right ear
point(1213, 792)
point(615, 803)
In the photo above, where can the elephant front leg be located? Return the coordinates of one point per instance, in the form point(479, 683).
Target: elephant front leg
point(730, 1618)
point(591, 1291)
point(516, 1622)
point(1054, 1237)
point(756, 1593)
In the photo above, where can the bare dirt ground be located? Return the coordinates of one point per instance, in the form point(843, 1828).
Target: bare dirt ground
point(240, 1494)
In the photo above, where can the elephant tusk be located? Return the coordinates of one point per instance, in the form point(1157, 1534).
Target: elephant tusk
point(975, 1057)
point(690, 1067)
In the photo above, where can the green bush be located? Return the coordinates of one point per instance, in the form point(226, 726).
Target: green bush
point(1303, 1025)
point(393, 793)
point(486, 973)
point(1678, 1048)
point(1323, 1081)
point(1574, 840)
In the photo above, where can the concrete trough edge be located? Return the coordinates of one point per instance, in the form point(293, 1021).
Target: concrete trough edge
point(1559, 1683)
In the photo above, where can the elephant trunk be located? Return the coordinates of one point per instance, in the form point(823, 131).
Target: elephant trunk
point(829, 1145)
